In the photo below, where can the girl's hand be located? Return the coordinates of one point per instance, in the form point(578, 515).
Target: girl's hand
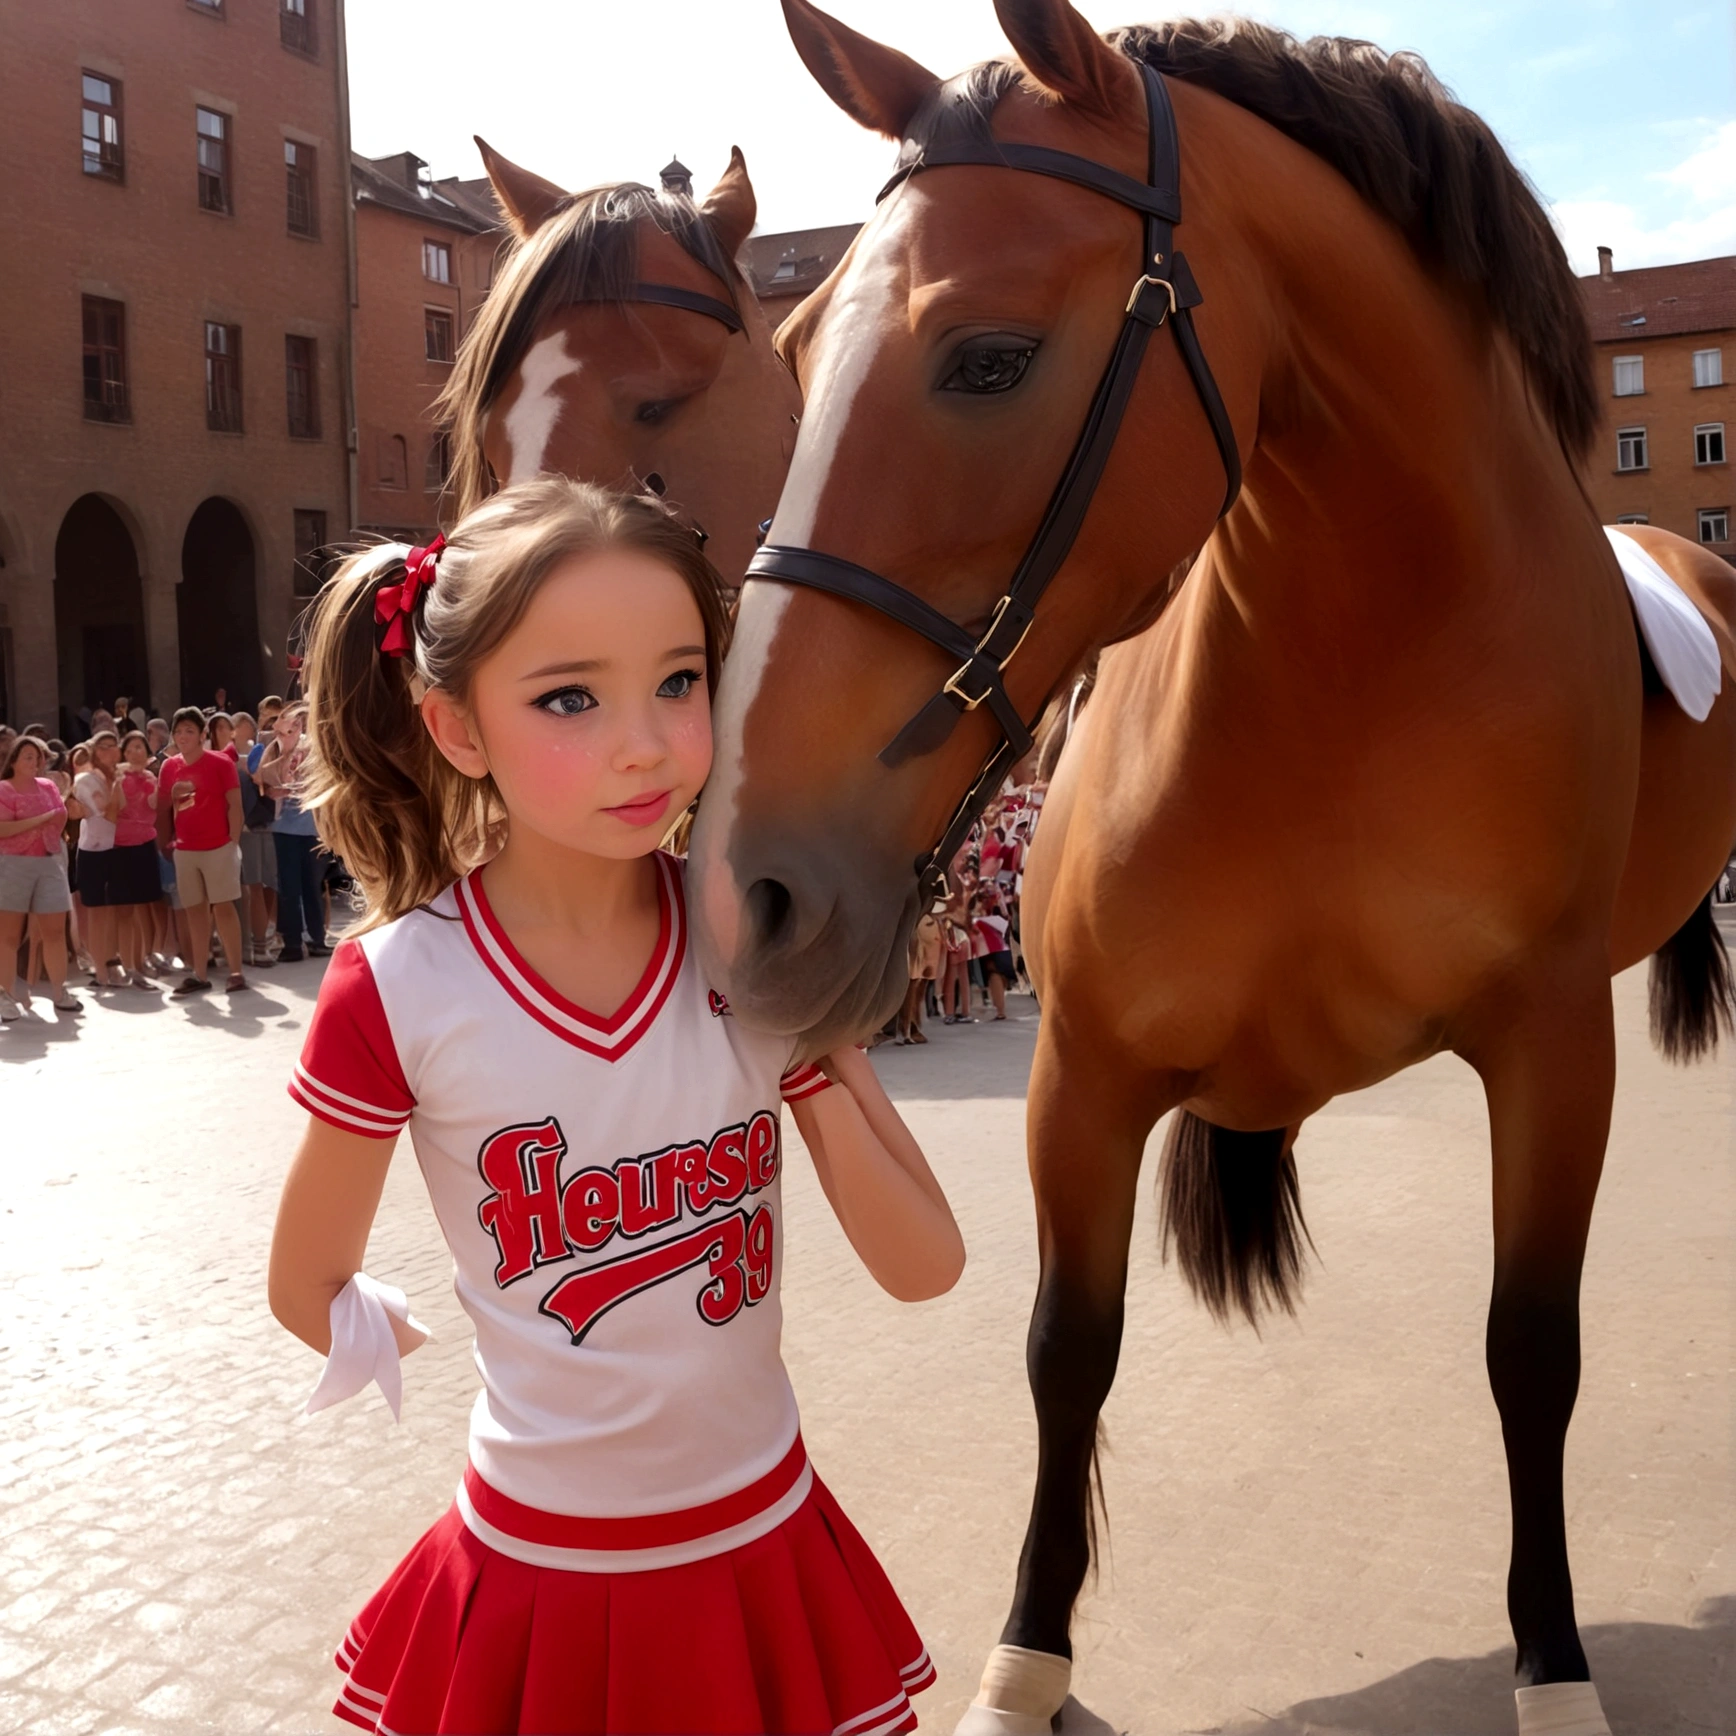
point(328, 1205)
point(879, 1184)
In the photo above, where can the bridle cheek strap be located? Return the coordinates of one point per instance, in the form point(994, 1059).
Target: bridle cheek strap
point(1165, 292)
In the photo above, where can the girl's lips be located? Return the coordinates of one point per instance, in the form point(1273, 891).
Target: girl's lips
point(643, 811)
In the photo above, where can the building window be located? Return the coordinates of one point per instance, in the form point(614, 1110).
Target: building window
point(1630, 376)
point(436, 262)
point(105, 361)
point(1632, 518)
point(213, 7)
point(1630, 449)
point(392, 457)
point(1708, 367)
point(437, 333)
point(222, 378)
point(295, 25)
point(301, 382)
point(1709, 443)
point(213, 133)
point(311, 561)
point(1714, 524)
point(439, 466)
point(102, 127)
point(298, 163)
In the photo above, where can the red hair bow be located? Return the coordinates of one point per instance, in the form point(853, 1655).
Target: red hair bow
point(394, 604)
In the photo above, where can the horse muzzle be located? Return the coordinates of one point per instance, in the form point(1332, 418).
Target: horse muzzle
point(804, 939)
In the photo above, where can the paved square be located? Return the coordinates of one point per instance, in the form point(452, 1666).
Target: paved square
point(1307, 1530)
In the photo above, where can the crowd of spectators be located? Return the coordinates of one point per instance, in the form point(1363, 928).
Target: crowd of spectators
point(965, 953)
point(154, 848)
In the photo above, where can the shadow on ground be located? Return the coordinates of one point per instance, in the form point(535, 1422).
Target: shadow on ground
point(1654, 1680)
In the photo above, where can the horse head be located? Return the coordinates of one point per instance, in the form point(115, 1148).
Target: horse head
point(948, 367)
point(621, 345)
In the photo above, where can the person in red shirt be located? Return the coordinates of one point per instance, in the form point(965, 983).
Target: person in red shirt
point(199, 830)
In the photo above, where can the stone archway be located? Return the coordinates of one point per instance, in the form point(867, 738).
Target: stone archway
point(99, 610)
point(217, 607)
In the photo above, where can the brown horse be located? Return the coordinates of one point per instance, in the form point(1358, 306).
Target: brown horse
point(1403, 664)
point(621, 345)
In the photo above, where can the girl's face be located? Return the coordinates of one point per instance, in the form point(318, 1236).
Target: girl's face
point(220, 735)
point(137, 755)
point(28, 763)
point(106, 754)
point(593, 716)
point(244, 736)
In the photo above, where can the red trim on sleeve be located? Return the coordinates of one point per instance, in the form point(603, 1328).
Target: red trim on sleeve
point(349, 1074)
point(802, 1081)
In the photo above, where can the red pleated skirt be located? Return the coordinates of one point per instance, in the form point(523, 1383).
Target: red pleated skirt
point(798, 1633)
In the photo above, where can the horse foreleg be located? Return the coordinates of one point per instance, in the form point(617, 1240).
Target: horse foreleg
point(1087, 1131)
point(1547, 1061)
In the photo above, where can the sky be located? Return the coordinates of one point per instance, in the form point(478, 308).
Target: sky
point(1622, 112)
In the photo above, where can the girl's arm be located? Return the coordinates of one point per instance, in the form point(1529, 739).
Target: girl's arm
point(328, 1205)
point(879, 1183)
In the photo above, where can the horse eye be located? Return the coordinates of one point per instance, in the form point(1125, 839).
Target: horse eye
point(655, 410)
point(984, 369)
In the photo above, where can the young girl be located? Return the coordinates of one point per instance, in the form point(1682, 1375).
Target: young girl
point(502, 731)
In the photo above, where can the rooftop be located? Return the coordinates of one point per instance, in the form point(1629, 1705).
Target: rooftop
point(1660, 301)
point(401, 183)
point(796, 261)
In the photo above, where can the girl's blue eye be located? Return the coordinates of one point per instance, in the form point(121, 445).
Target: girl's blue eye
point(567, 702)
point(681, 683)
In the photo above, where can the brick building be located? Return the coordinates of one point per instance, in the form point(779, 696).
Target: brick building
point(174, 337)
point(784, 269)
point(425, 255)
point(1665, 337)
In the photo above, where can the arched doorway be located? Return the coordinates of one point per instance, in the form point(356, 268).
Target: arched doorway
point(99, 611)
point(217, 608)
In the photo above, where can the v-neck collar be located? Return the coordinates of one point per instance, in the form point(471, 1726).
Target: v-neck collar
point(608, 1039)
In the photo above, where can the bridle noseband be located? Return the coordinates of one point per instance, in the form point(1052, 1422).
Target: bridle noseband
point(1164, 292)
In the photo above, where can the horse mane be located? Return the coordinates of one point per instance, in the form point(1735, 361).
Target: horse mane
point(1395, 133)
point(586, 251)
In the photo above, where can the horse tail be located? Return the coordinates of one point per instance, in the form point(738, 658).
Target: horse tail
point(1232, 1205)
point(1692, 994)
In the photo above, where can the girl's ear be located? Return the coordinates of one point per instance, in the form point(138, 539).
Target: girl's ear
point(450, 726)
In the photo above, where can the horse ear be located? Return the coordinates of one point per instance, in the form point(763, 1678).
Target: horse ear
point(730, 206)
point(1065, 55)
point(526, 201)
point(875, 85)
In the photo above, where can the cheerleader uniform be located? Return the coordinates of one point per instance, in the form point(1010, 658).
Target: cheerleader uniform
point(639, 1543)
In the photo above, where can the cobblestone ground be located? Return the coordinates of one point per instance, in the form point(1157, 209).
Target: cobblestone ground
point(1307, 1530)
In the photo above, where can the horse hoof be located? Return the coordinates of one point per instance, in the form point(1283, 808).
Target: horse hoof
point(1076, 1720)
point(1072, 1720)
point(1560, 1709)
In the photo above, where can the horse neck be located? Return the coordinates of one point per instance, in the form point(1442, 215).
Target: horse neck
point(1397, 433)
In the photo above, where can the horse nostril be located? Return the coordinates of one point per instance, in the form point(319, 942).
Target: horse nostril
point(771, 909)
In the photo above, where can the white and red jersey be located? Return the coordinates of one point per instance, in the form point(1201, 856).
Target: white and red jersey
point(610, 1192)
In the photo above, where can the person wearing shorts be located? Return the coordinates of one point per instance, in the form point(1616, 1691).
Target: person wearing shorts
point(98, 791)
point(199, 824)
point(134, 887)
point(33, 885)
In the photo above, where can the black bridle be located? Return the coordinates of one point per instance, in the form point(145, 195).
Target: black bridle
point(1165, 291)
point(690, 300)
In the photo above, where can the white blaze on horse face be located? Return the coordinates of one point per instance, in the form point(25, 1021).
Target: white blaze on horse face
point(756, 627)
point(856, 311)
point(531, 422)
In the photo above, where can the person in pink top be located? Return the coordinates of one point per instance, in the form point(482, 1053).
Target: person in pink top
point(33, 884)
point(134, 885)
point(198, 828)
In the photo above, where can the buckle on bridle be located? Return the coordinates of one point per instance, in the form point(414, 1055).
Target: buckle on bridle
point(954, 683)
point(1139, 289)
